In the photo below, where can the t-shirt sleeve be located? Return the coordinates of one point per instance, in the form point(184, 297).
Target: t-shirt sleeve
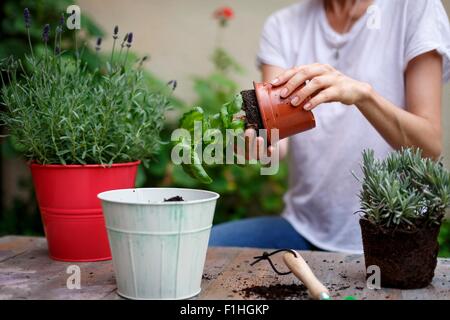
point(270, 46)
point(428, 29)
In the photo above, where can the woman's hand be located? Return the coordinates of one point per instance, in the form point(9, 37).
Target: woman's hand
point(323, 84)
point(255, 147)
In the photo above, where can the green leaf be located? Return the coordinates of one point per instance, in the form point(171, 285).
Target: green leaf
point(237, 124)
point(225, 117)
point(189, 118)
point(235, 105)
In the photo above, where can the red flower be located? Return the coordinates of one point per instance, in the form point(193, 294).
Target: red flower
point(224, 14)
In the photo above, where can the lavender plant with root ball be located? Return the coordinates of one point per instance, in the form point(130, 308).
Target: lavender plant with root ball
point(403, 202)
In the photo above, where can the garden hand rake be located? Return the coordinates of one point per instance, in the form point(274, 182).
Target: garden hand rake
point(298, 266)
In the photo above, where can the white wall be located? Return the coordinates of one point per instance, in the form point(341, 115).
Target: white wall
point(180, 35)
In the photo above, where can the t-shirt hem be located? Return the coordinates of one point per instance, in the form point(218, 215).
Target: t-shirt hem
point(313, 241)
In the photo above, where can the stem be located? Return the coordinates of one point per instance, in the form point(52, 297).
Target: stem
point(60, 49)
point(29, 42)
point(219, 37)
point(54, 140)
point(45, 57)
point(56, 38)
point(126, 57)
point(121, 47)
point(120, 53)
point(112, 52)
point(82, 50)
point(3, 80)
point(76, 44)
point(14, 85)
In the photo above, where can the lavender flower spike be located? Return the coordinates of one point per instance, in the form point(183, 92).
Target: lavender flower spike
point(27, 18)
point(61, 20)
point(116, 32)
point(124, 40)
point(98, 44)
point(130, 39)
point(141, 62)
point(172, 84)
point(46, 33)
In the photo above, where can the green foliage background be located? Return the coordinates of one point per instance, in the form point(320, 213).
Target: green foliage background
point(244, 192)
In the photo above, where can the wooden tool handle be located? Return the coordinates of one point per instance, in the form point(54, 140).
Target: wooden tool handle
point(303, 272)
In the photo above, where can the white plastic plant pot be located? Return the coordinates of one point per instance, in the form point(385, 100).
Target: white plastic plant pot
point(158, 248)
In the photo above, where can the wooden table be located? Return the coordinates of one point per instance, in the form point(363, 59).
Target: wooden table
point(26, 272)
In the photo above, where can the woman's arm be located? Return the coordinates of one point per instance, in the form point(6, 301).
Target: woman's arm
point(419, 125)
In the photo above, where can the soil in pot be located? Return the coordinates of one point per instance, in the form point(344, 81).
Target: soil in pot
point(251, 108)
point(407, 259)
point(174, 199)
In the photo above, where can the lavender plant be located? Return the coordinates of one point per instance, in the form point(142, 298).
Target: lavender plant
point(404, 191)
point(60, 113)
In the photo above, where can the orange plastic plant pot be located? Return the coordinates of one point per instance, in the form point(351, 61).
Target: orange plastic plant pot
point(278, 113)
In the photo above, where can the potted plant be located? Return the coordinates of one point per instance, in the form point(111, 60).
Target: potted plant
point(262, 108)
point(403, 202)
point(83, 132)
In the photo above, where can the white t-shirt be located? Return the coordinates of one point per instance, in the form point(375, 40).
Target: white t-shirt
point(322, 199)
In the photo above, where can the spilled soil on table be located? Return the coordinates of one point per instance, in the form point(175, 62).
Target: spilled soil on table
point(275, 292)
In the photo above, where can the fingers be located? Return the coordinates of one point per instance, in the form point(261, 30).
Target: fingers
point(303, 74)
point(239, 148)
point(250, 135)
point(284, 77)
point(260, 149)
point(327, 95)
point(270, 151)
point(265, 153)
point(313, 86)
point(254, 146)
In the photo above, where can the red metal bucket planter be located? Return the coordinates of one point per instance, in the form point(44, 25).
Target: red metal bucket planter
point(70, 210)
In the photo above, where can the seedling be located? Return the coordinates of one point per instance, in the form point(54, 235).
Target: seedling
point(261, 109)
point(229, 117)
